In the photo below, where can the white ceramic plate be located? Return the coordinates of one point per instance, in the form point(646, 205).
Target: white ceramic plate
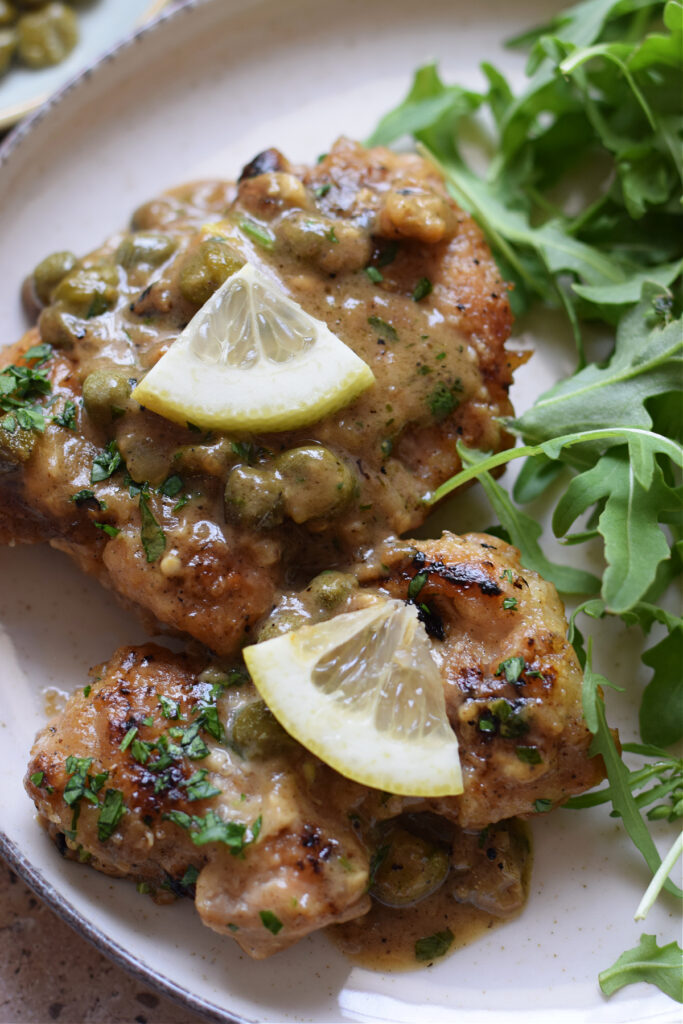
point(101, 26)
point(201, 93)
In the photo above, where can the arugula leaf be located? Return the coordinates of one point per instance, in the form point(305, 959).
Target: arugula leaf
point(617, 772)
point(657, 965)
point(661, 710)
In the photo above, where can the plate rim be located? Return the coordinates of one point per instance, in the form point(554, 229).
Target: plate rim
point(16, 112)
point(65, 910)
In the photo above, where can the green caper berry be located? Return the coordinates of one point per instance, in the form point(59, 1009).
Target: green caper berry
point(257, 733)
point(15, 447)
point(410, 869)
point(253, 497)
point(59, 328)
point(47, 36)
point(147, 248)
point(206, 268)
point(8, 46)
point(50, 272)
point(105, 393)
point(315, 483)
point(89, 291)
point(8, 14)
point(330, 588)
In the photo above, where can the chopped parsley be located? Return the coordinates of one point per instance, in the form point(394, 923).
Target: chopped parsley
point(86, 690)
point(112, 810)
point(37, 778)
point(385, 330)
point(442, 399)
point(509, 603)
point(211, 829)
point(433, 946)
point(111, 531)
point(543, 805)
point(169, 708)
point(508, 575)
point(257, 233)
point(271, 921)
point(374, 274)
point(20, 387)
point(422, 289)
point(386, 447)
point(152, 536)
point(190, 877)
point(199, 788)
point(416, 584)
point(331, 236)
point(322, 190)
point(172, 486)
point(80, 497)
point(128, 738)
point(105, 463)
point(529, 755)
point(511, 668)
point(67, 417)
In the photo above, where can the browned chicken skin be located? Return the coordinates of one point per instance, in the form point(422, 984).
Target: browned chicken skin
point(513, 695)
point(437, 354)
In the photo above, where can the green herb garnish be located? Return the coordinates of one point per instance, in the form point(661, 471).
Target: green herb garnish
point(271, 921)
point(385, 330)
point(152, 537)
point(422, 289)
point(105, 463)
point(434, 946)
point(258, 233)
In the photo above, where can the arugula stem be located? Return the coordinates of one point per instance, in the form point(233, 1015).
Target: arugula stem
point(658, 879)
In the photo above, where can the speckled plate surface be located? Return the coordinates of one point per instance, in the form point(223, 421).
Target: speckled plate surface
point(101, 25)
point(201, 93)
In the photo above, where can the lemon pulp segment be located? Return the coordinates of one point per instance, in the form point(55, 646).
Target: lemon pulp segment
point(363, 692)
point(253, 359)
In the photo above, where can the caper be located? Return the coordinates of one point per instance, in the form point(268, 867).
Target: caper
point(409, 869)
point(148, 248)
point(15, 447)
point(212, 459)
point(330, 588)
point(283, 619)
point(59, 328)
point(315, 483)
point(257, 733)
point(8, 46)
point(89, 291)
point(47, 36)
point(50, 272)
point(105, 394)
point(253, 497)
point(156, 213)
point(206, 268)
point(333, 245)
point(8, 14)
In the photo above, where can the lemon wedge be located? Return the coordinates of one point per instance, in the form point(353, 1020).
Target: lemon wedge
point(362, 691)
point(252, 359)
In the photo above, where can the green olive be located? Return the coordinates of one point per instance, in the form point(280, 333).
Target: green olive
point(8, 14)
point(15, 447)
point(257, 733)
point(409, 869)
point(333, 245)
point(330, 588)
point(47, 36)
point(315, 483)
point(89, 291)
point(253, 497)
point(105, 394)
point(206, 268)
point(148, 248)
point(50, 272)
point(59, 328)
point(8, 46)
point(156, 213)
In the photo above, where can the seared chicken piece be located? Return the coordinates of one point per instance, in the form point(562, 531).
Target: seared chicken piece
point(192, 529)
point(220, 766)
point(512, 680)
point(258, 832)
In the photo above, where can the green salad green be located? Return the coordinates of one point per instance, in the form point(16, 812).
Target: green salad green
point(601, 115)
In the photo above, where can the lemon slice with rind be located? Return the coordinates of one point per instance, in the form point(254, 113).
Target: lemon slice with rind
point(252, 359)
point(362, 691)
